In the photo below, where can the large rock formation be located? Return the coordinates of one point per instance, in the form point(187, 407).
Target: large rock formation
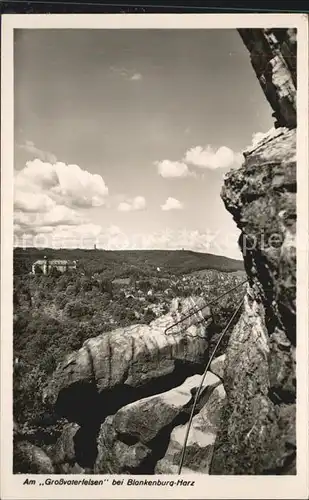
point(201, 439)
point(257, 430)
point(273, 57)
point(137, 436)
point(125, 364)
point(138, 365)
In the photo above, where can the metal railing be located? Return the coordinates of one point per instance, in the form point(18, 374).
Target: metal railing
point(197, 310)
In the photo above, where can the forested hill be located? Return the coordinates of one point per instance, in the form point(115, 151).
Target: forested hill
point(118, 263)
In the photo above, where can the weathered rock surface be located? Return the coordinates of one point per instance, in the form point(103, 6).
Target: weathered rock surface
point(126, 361)
point(64, 452)
point(217, 366)
point(147, 417)
point(30, 459)
point(200, 442)
point(257, 429)
point(71, 468)
point(261, 196)
point(119, 457)
point(273, 57)
point(257, 435)
point(140, 430)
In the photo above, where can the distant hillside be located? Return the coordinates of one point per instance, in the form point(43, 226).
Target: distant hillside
point(129, 262)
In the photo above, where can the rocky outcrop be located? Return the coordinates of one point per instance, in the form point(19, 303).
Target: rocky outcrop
point(116, 456)
point(122, 365)
point(135, 438)
point(65, 452)
point(273, 57)
point(64, 449)
point(257, 429)
point(257, 433)
point(201, 439)
point(262, 199)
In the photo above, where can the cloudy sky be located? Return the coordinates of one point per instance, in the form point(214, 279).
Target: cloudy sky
point(123, 137)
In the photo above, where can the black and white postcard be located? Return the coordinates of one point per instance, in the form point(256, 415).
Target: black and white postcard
point(154, 256)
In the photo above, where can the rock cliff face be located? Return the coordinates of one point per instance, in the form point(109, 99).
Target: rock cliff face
point(273, 57)
point(257, 429)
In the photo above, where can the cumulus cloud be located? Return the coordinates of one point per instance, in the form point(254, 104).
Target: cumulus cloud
point(48, 199)
point(33, 202)
point(167, 168)
point(113, 230)
point(134, 204)
point(139, 203)
point(124, 207)
point(208, 157)
point(34, 222)
point(41, 183)
point(60, 214)
point(172, 204)
point(126, 73)
point(136, 76)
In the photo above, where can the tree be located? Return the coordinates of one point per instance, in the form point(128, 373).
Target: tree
point(86, 284)
point(77, 309)
point(48, 363)
point(54, 272)
point(106, 286)
point(149, 316)
point(131, 317)
point(144, 285)
point(63, 282)
point(165, 308)
point(70, 290)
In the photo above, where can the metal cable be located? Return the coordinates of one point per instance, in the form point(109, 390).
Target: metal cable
point(201, 384)
point(206, 305)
